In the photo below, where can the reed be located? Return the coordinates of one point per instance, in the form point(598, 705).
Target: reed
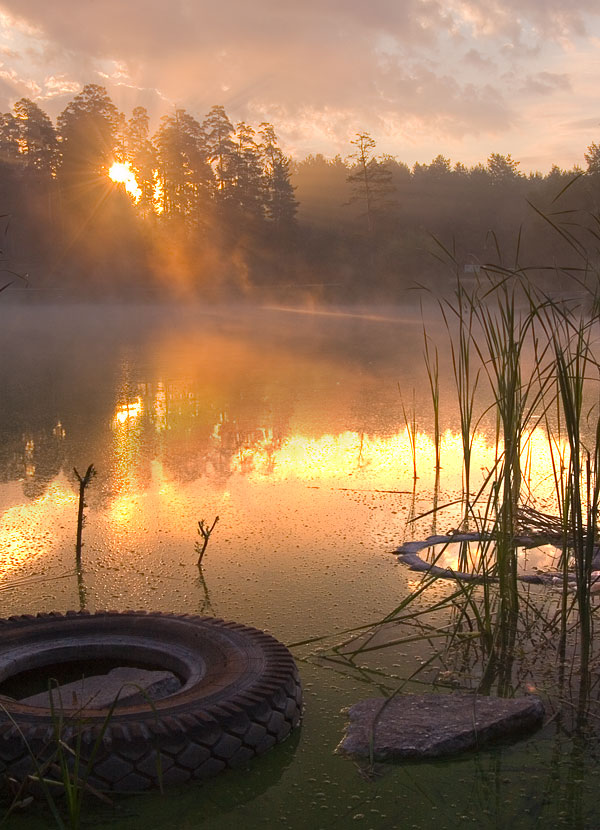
point(432, 366)
point(458, 314)
point(466, 378)
point(526, 360)
point(410, 422)
point(62, 770)
point(582, 491)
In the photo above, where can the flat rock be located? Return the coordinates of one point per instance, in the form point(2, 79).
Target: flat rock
point(132, 686)
point(433, 726)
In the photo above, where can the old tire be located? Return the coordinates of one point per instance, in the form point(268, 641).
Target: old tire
point(240, 696)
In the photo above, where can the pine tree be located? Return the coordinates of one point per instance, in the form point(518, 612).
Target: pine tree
point(440, 166)
point(371, 180)
point(36, 138)
point(221, 151)
point(280, 202)
point(141, 156)
point(502, 168)
point(9, 140)
point(592, 158)
point(89, 129)
point(184, 172)
point(248, 180)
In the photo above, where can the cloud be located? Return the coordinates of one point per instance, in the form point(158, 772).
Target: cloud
point(582, 124)
point(479, 61)
point(311, 54)
point(520, 21)
point(545, 83)
point(319, 69)
point(60, 85)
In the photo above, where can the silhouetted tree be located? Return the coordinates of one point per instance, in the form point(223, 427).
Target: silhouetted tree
point(228, 202)
point(280, 201)
point(141, 156)
point(221, 150)
point(439, 167)
point(248, 180)
point(370, 178)
point(184, 172)
point(502, 168)
point(592, 157)
point(9, 140)
point(36, 137)
point(89, 130)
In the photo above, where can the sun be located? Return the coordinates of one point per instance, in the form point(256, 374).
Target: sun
point(122, 173)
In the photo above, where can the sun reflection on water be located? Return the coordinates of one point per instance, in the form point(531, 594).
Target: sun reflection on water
point(27, 531)
point(258, 452)
point(128, 411)
point(196, 433)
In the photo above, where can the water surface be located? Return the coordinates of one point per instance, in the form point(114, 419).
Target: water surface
point(293, 429)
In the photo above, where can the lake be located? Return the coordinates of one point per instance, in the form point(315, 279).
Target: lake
point(300, 430)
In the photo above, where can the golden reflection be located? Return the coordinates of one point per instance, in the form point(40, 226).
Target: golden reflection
point(127, 436)
point(200, 439)
point(27, 530)
point(123, 510)
point(230, 428)
point(384, 460)
point(159, 408)
point(128, 411)
point(465, 556)
point(59, 431)
point(542, 458)
point(131, 508)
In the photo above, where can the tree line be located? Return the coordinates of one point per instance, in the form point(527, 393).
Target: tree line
point(393, 226)
point(206, 195)
point(217, 209)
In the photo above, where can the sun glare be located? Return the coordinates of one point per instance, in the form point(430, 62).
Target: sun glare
point(121, 173)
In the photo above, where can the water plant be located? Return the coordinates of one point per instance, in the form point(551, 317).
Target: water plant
point(581, 494)
point(63, 767)
point(410, 421)
point(460, 310)
point(521, 359)
point(432, 365)
point(62, 770)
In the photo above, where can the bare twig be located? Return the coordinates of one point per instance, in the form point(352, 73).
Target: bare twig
point(83, 483)
point(204, 530)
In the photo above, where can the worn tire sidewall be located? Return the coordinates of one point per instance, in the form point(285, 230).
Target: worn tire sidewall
point(248, 699)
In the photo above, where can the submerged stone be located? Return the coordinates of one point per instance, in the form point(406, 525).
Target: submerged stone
point(433, 726)
point(128, 686)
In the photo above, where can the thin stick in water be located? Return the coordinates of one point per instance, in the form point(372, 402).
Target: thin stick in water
point(83, 483)
point(204, 530)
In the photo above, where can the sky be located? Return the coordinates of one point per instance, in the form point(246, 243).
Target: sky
point(464, 78)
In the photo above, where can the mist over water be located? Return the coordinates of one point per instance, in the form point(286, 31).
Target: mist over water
point(289, 425)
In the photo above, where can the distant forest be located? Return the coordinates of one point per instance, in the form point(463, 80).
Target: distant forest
point(215, 210)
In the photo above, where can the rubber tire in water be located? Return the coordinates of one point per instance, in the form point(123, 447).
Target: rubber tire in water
point(240, 695)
